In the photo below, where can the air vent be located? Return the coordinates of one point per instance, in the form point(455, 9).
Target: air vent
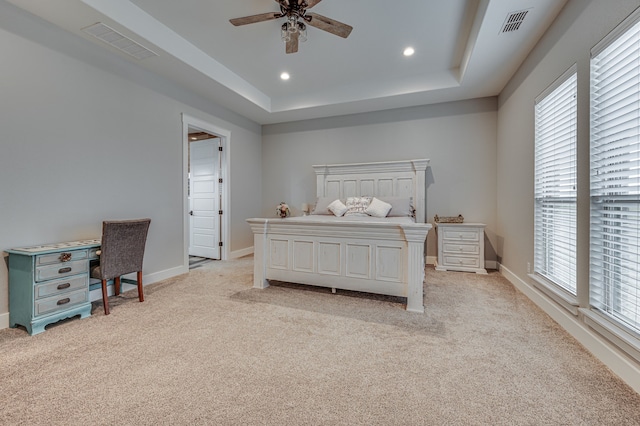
point(117, 40)
point(514, 21)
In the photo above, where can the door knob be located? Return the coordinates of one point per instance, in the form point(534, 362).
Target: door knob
point(191, 212)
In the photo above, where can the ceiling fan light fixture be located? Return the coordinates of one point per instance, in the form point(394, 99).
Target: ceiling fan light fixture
point(292, 24)
point(302, 32)
point(409, 51)
point(285, 35)
point(285, 76)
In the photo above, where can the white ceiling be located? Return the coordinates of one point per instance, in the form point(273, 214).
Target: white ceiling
point(460, 50)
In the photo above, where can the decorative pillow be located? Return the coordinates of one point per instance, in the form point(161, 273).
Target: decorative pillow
point(337, 208)
point(357, 205)
point(400, 206)
point(378, 208)
point(322, 205)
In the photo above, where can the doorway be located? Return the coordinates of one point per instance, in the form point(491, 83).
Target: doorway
point(206, 195)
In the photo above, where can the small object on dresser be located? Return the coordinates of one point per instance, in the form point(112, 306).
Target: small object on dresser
point(448, 219)
point(283, 210)
point(305, 209)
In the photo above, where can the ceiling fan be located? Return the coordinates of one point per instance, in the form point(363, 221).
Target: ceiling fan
point(295, 28)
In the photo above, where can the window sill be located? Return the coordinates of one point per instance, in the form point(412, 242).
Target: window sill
point(627, 341)
point(560, 296)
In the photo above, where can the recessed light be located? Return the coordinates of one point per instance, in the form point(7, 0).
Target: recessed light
point(285, 76)
point(408, 51)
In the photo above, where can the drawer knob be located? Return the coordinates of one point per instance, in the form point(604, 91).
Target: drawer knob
point(64, 301)
point(65, 257)
point(64, 270)
point(63, 286)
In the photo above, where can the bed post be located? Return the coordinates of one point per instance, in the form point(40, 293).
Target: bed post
point(321, 173)
point(415, 237)
point(259, 228)
point(420, 167)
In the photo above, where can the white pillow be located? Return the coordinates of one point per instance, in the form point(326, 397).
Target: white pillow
point(357, 205)
point(400, 206)
point(322, 205)
point(378, 208)
point(337, 208)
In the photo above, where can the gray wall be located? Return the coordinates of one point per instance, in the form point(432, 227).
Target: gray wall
point(458, 137)
point(580, 25)
point(86, 136)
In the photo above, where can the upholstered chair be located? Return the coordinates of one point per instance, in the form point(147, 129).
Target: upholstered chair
point(121, 252)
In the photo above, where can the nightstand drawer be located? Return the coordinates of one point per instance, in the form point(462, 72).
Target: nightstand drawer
point(467, 262)
point(60, 302)
point(48, 259)
point(461, 235)
point(63, 285)
point(62, 269)
point(460, 248)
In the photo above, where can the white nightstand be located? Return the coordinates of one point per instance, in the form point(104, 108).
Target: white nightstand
point(460, 247)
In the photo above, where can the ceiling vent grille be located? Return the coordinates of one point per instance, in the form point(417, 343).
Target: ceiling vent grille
point(514, 21)
point(117, 40)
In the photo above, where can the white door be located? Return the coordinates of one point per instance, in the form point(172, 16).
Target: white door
point(204, 199)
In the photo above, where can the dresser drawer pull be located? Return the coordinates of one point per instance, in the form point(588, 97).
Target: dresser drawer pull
point(64, 270)
point(63, 286)
point(64, 301)
point(65, 257)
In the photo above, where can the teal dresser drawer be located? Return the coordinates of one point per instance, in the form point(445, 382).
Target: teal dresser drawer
point(93, 253)
point(60, 286)
point(63, 257)
point(61, 269)
point(61, 302)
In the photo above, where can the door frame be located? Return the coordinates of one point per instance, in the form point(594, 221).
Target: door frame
point(225, 161)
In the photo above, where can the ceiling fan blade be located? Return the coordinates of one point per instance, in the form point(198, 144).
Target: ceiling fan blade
point(329, 25)
point(255, 18)
point(292, 44)
point(311, 3)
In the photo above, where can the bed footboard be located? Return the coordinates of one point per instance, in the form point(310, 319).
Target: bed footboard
point(382, 258)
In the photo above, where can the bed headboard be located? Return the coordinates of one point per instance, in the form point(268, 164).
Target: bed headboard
point(381, 179)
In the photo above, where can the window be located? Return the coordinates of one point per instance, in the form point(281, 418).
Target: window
point(615, 176)
point(555, 182)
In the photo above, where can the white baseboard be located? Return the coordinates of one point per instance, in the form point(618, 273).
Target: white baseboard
point(241, 253)
point(606, 352)
point(4, 320)
point(431, 260)
point(146, 280)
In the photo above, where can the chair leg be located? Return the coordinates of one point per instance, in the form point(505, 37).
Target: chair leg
point(105, 299)
point(140, 293)
point(116, 285)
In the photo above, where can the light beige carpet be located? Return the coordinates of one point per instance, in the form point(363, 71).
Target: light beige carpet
point(207, 349)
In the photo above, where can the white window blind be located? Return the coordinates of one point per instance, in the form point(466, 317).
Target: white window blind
point(555, 182)
point(615, 176)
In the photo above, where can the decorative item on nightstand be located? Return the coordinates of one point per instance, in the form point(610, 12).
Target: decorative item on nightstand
point(305, 209)
point(448, 219)
point(460, 247)
point(283, 210)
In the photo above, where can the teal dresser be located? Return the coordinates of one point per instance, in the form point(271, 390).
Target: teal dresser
point(49, 283)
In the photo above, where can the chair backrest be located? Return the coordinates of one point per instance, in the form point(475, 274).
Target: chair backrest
point(122, 246)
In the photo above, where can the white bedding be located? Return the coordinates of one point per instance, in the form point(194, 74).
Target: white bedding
point(325, 218)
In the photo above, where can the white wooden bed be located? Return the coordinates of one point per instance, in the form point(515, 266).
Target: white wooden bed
point(383, 256)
